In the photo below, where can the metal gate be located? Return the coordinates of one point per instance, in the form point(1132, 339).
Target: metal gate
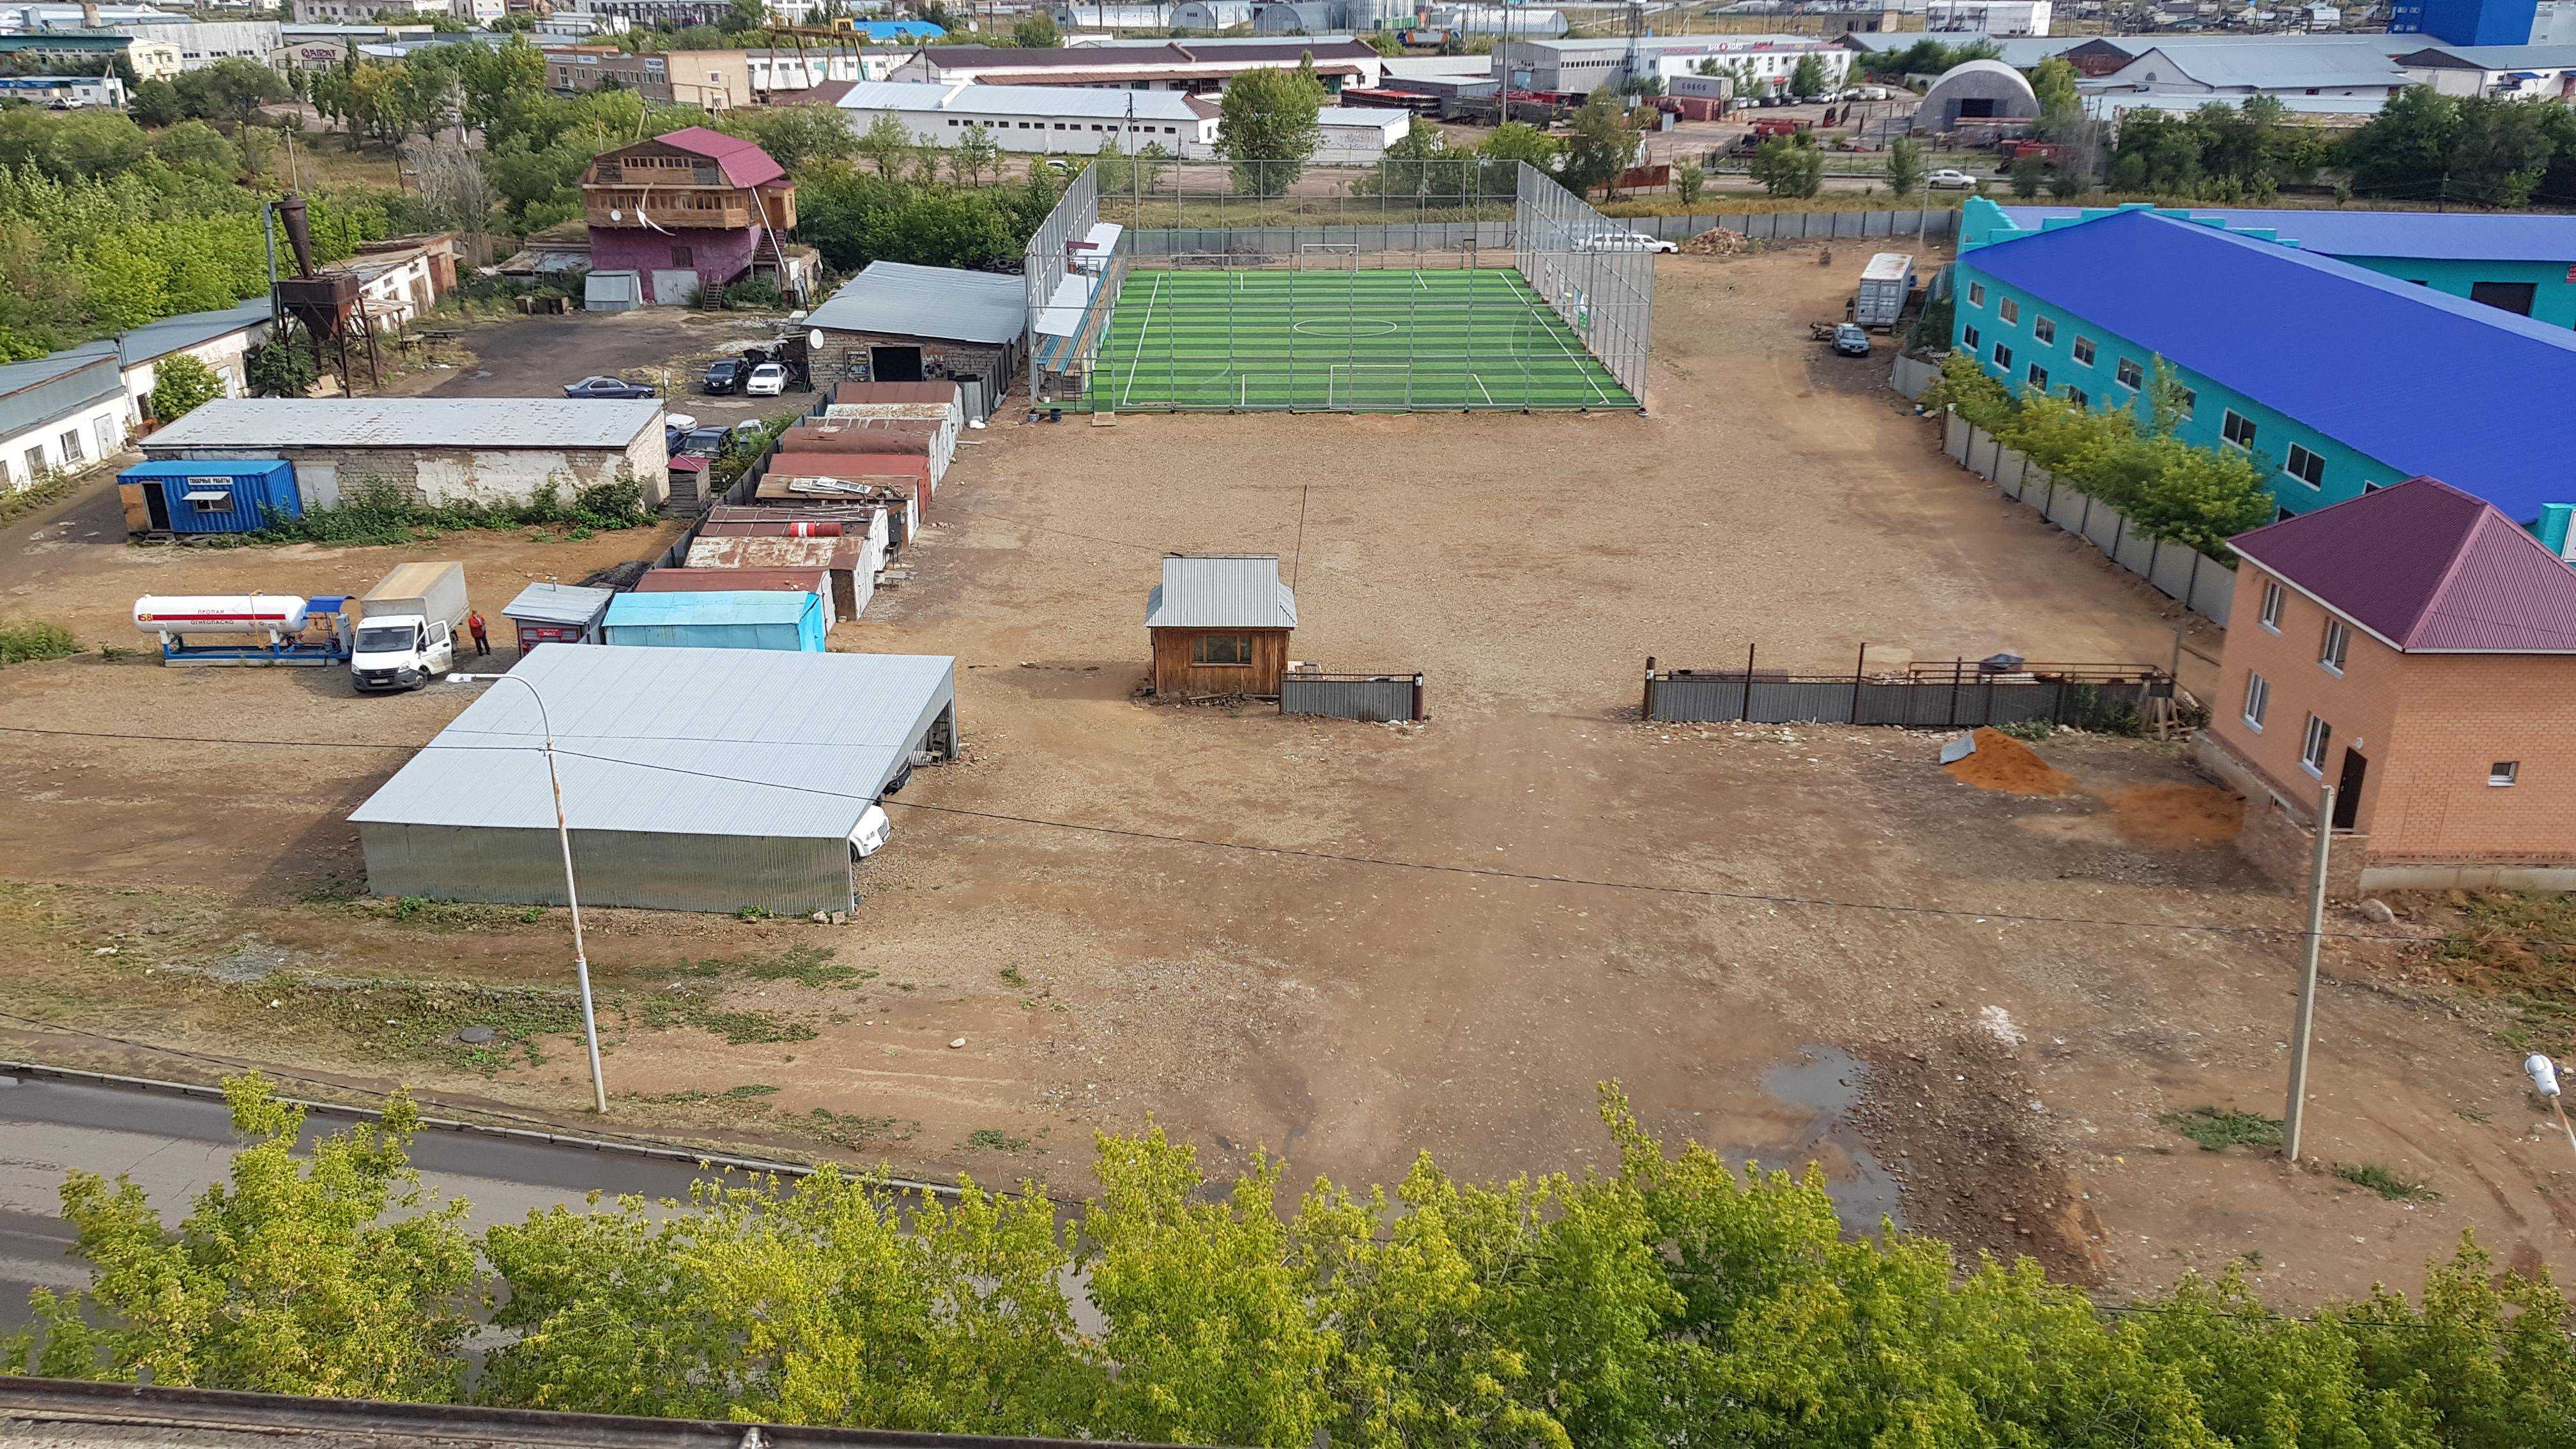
point(1962, 694)
point(1371, 698)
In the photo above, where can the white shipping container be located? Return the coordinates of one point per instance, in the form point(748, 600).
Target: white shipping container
point(1884, 285)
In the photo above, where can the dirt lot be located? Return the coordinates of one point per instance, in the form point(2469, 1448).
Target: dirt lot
point(537, 356)
point(1989, 1059)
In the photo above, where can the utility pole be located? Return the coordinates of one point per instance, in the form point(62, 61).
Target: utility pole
point(2293, 1117)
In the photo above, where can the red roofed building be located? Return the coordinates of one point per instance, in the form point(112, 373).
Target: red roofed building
point(684, 211)
point(2416, 649)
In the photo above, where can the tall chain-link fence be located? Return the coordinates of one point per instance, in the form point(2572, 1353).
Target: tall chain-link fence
point(1070, 290)
point(1597, 274)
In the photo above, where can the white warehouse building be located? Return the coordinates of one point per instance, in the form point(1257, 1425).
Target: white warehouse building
point(1060, 119)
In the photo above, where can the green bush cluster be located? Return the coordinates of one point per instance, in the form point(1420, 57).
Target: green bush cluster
point(2127, 457)
point(1668, 1300)
point(24, 641)
point(381, 512)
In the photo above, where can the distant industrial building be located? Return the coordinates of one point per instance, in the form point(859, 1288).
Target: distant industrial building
point(1988, 17)
point(1975, 91)
point(2278, 67)
point(1055, 119)
point(1172, 65)
point(1761, 63)
point(693, 779)
point(712, 80)
point(435, 450)
point(73, 409)
point(63, 92)
point(2338, 378)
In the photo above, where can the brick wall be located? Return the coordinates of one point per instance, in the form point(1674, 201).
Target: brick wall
point(844, 357)
point(2361, 706)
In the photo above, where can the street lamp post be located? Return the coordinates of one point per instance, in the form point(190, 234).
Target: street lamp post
point(572, 897)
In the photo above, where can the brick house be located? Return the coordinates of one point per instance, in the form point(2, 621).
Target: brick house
point(683, 211)
point(2416, 649)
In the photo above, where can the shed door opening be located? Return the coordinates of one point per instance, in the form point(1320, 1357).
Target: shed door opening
point(2514, 297)
point(2348, 789)
point(1976, 108)
point(156, 501)
point(895, 364)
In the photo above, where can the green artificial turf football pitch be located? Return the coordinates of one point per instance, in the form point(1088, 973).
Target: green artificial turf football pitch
point(1366, 340)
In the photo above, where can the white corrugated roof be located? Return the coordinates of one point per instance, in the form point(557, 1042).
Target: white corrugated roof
point(911, 301)
point(1221, 591)
point(756, 742)
point(1090, 103)
point(409, 422)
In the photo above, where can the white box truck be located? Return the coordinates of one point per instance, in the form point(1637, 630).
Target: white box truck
point(407, 627)
point(1884, 285)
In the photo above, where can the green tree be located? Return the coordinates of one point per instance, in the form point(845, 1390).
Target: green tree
point(180, 385)
point(2028, 174)
point(200, 149)
point(1036, 31)
point(1905, 166)
point(1267, 126)
point(330, 1276)
point(1789, 166)
point(155, 103)
point(887, 144)
point(2406, 145)
point(1599, 144)
point(280, 368)
point(1807, 77)
point(976, 153)
point(2053, 81)
point(742, 16)
point(1689, 180)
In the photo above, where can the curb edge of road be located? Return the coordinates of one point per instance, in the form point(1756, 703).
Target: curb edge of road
point(656, 1150)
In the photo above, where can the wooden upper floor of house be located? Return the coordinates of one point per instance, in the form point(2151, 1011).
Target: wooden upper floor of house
point(693, 179)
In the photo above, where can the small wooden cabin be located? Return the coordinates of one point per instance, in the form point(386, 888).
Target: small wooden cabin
point(1220, 625)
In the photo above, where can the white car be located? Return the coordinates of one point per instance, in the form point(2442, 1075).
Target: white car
point(1950, 178)
point(1625, 241)
point(767, 380)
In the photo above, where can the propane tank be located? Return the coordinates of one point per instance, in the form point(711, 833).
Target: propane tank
point(233, 613)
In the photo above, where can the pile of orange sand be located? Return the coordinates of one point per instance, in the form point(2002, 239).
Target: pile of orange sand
point(2004, 763)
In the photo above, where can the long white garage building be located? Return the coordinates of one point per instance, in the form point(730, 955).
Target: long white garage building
point(1063, 119)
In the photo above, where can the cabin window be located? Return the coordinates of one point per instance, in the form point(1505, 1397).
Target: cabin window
point(1221, 649)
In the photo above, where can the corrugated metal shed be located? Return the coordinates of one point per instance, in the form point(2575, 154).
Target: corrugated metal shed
point(943, 302)
point(410, 422)
point(38, 391)
point(2426, 382)
point(193, 329)
point(732, 580)
point(1221, 591)
point(220, 495)
point(739, 552)
point(559, 604)
point(677, 742)
point(728, 620)
point(2426, 568)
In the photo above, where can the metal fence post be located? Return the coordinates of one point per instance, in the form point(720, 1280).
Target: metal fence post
point(1647, 708)
point(1859, 666)
point(1419, 712)
point(1953, 721)
point(1747, 713)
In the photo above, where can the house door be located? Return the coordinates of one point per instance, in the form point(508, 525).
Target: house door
point(156, 504)
point(895, 364)
point(2348, 789)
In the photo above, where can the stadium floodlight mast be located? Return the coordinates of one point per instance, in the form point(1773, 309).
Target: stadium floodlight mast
point(563, 836)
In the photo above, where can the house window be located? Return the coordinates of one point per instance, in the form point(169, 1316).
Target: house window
point(2128, 374)
point(1968, 338)
point(2258, 700)
point(2504, 772)
point(2084, 349)
point(36, 462)
point(2185, 401)
point(2003, 356)
point(2272, 596)
point(2238, 431)
point(684, 256)
point(2043, 328)
point(2307, 467)
point(2038, 378)
point(2009, 310)
point(2336, 645)
point(2312, 749)
point(1221, 649)
point(71, 448)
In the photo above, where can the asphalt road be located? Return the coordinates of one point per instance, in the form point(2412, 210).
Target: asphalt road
point(537, 356)
point(172, 1146)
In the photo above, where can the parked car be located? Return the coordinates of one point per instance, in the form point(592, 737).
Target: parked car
point(606, 387)
point(766, 380)
point(1850, 341)
point(749, 431)
point(705, 442)
point(1624, 241)
point(1950, 178)
point(724, 375)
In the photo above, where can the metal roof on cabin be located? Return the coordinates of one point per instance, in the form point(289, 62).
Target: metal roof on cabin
point(675, 741)
point(2426, 568)
point(409, 422)
point(42, 389)
point(558, 604)
point(944, 302)
point(191, 329)
point(2426, 382)
point(2448, 236)
point(746, 606)
point(1221, 591)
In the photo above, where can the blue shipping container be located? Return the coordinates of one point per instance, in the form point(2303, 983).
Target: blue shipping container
point(216, 495)
point(770, 619)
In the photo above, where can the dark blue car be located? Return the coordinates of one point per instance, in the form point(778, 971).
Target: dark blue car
point(606, 387)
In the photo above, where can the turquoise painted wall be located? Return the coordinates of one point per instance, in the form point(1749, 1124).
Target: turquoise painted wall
point(2553, 298)
point(1979, 308)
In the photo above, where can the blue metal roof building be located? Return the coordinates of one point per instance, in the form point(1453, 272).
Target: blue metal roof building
point(767, 619)
point(2343, 379)
point(2521, 263)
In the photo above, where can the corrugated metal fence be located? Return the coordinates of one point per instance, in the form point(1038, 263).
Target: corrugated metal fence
point(2176, 570)
point(1284, 241)
point(1961, 695)
point(1372, 698)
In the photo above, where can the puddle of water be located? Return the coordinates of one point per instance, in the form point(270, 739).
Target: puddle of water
point(1826, 1082)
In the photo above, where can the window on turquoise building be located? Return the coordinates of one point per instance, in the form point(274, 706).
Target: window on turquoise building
point(2043, 328)
point(1976, 294)
point(2514, 297)
point(2009, 310)
point(2128, 373)
point(2078, 396)
point(2236, 429)
point(2003, 356)
point(1968, 338)
point(2307, 467)
point(2038, 378)
point(2084, 349)
point(2185, 403)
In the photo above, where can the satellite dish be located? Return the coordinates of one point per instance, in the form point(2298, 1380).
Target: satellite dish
point(814, 337)
point(615, 215)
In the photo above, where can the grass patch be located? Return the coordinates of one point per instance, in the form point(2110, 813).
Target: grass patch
point(26, 641)
point(748, 1095)
point(51, 489)
point(856, 1132)
point(2385, 1182)
point(804, 965)
point(381, 513)
point(680, 1006)
point(2512, 945)
point(994, 1139)
point(419, 1021)
point(2218, 1128)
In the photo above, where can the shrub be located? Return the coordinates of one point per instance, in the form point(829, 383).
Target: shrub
point(379, 512)
point(181, 385)
point(25, 641)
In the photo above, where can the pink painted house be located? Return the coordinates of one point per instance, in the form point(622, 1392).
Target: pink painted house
point(689, 210)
